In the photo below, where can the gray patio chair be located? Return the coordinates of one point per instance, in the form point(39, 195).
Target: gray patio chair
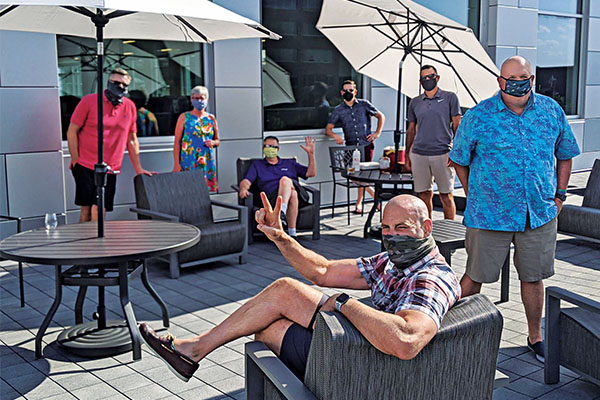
point(308, 216)
point(584, 221)
point(572, 335)
point(458, 363)
point(183, 197)
point(20, 264)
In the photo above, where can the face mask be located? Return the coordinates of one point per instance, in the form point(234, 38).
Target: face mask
point(114, 93)
point(270, 152)
point(405, 250)
point(199, 104)
point(348, 95)
point(429, 84)
point(517, 88)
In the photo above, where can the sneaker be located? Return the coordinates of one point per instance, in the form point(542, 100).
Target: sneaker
point(538, 349)
point(181, 365)
point(283, 220)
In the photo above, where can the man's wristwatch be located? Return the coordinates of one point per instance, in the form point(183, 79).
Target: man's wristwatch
point(561, 196)
point(340, 301)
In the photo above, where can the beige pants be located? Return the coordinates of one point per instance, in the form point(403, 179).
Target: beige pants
point(534, 252)
point(427, 168)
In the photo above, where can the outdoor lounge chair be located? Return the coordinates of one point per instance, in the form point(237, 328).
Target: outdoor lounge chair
point(183, 197)
point(308, 216)
point(572, 335)
point(458, 363)
point(584, 221)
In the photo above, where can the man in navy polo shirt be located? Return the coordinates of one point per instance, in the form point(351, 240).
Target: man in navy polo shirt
point(279, 177)
point(355, 116)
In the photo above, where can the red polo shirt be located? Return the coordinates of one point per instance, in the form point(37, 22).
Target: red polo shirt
point(119, 121)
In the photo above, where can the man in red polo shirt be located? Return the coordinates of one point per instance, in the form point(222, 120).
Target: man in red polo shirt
point(120, 117)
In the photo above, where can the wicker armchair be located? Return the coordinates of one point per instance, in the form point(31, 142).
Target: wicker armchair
point(572, 335)
point(584, 221)
point(183, 197)
point(458, 363)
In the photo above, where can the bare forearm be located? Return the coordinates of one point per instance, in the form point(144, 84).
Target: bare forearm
point(73, 141)
point(563, 173)
point(309, 264)
point(329, 130)
point(133, 147)
point(312, 166)
point(380, 123)
point(410, 137)
point(176, 151)
point(463, 176)
point(386, 332)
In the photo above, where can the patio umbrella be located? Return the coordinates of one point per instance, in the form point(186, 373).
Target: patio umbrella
point(182, 20)
point(277, 86)
point(385, 38)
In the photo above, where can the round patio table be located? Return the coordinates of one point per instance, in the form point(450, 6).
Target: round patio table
point(379, 178)
point(106, 261)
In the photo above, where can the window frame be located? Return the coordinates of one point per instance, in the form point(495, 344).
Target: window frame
point(581, 55)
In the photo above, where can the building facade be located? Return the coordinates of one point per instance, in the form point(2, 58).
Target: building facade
point(258, 88)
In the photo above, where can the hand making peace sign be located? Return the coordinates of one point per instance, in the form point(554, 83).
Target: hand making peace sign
point(268, 219)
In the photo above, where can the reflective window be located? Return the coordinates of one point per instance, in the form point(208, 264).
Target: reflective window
point(163, 74)
point(565, 6)
point(302, 72)
point(557, 69)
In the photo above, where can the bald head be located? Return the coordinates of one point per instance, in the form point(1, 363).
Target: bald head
point(406, 215)
point(515, 63)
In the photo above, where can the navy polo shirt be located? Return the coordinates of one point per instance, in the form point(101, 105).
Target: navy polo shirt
point(433, 117)
point(355, 120)
point(267, 175)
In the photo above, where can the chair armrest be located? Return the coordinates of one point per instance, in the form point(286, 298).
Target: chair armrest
point(154, 214)
point(573, 298)
point(579, 220)
point(236, 188)
point(262, 363)
point(18, 219)
point(316, 194)
point(228, 205)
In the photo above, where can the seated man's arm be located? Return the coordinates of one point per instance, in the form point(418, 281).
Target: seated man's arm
point(403, 334)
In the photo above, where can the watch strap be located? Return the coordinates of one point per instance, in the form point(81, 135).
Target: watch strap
point(340, 301)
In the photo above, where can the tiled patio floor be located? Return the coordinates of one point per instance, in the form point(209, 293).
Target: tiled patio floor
point(205, 296)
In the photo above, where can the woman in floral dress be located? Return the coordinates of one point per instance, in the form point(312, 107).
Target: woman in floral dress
point(196, 134)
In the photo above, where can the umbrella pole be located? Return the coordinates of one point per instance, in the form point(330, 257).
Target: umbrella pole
point(397, 132)
point(101, 168)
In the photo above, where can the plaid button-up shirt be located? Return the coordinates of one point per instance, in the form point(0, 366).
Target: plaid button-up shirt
point(429, 285)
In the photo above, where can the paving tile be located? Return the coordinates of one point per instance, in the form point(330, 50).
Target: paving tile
point(529, 387)
point(74, 381)
point(518, 367)
point(45, 389)
point(129, 382)
point(176, 385)
point(230, 384)
point(150, 392)
point(214, 374)
point(94, 392)
point(507, 394)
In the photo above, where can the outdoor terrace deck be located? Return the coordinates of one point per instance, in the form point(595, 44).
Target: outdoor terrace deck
point(203, 297)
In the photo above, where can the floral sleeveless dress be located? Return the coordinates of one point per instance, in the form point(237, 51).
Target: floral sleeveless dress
point(194, 153)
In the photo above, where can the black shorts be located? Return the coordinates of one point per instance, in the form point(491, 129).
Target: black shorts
point(296, 344)
point(85, 189)
point(303, 196)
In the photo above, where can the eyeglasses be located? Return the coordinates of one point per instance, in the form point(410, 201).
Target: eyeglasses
point(428, 77)
point(271, 146)
point(124, 86)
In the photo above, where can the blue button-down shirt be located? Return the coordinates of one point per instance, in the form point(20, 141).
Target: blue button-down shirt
point(355, 121)
point(512, 162)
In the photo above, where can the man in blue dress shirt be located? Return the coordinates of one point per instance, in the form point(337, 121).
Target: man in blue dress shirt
point(513, 155)
point(355, 117)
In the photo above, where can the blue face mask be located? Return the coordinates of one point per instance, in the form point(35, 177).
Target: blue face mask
point(199, 104)
point(517, 88)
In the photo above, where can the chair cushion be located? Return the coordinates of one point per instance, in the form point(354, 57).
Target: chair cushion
point(216, 240)
point(183, 194)
point(580, 340)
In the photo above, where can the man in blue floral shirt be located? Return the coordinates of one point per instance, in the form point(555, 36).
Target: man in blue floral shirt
point(504, 154)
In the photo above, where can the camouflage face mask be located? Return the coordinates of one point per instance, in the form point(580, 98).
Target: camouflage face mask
point(406, 250)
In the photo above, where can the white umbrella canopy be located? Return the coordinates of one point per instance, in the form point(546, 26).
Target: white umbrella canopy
point(375, 35)
point(182, 20)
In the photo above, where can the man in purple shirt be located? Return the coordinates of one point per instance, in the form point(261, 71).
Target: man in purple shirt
point(279, 177)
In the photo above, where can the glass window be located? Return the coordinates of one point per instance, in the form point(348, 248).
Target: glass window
point(565, 6)
point(163, 74)
point(303, 73)
point(558, 60)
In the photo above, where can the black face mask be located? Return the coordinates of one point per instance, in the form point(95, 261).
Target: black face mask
point(348, 95)
point(429, 84)
point(114, 93)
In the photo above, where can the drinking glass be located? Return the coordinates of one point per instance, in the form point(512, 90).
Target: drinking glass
point(51, 221)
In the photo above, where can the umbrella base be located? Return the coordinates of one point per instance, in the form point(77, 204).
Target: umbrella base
point(88, 341)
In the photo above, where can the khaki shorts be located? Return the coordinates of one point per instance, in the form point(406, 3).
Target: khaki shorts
point(533, 258)
point(426, 168)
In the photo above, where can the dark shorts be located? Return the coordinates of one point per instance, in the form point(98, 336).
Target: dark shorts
point(369, 151)
point(303, 196)
point(85, 189)
point(296, 344)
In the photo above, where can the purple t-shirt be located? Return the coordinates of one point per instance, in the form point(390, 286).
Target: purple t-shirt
point(267, 175)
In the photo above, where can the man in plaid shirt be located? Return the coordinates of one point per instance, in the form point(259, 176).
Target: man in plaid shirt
point(411, 284)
